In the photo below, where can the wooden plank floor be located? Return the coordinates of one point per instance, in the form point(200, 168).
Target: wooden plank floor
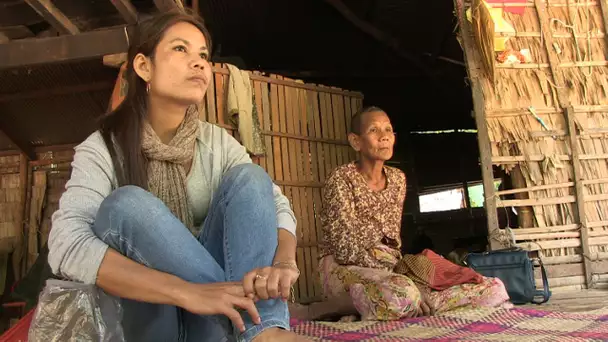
point(575, 301)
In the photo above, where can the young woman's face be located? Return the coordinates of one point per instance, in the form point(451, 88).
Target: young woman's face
point(180, 70)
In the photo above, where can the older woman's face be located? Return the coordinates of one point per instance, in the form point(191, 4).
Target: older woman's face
point(180, 69)
point(377, 138)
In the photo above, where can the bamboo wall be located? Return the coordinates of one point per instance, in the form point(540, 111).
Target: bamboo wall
point(304, 128)
point(561, 169)
point(10, 202)
point(33, 189)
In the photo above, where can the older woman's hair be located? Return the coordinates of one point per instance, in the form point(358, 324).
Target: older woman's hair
point(357, 120)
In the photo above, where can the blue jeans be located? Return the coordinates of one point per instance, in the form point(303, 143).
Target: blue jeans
point(238, 235)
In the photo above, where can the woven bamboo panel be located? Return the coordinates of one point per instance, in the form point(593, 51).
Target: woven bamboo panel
point(567, 44)
point(304, 128)
point(10, 203)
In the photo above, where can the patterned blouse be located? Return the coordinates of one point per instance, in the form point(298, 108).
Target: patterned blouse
point(356, 220)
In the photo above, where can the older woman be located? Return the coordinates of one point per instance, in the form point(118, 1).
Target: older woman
point(361, 222)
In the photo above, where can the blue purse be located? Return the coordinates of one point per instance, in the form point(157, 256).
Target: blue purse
point(516, 270)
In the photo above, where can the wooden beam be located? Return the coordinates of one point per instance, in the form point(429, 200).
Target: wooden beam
point(87, 45)
point(22, 145)
point(377, 34)
point(126, 10)
point(60, 91)
point(168, 5)
point(53, 16)
point(16, 32)
point(445, 59)
point(115, 60)
point(343, 75)
point(565, 104)
point(483, 139)
point(41, 149)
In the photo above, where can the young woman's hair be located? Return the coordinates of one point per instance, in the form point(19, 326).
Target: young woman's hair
point(356, 121)
point(122, 128)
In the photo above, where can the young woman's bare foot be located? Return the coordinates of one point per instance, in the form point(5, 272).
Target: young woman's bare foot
point(299, 311)
point(331, 308)
point(349, 319)
point(279, 335)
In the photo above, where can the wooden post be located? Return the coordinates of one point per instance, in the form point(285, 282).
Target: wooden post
point(525, 215)
point(465, 187)
point(26, 217)
point(483, 139)
point(18, 251)
point(565, 105)
point(196, 7)
point(467, 196)
point(487, 173)
point(580, 195)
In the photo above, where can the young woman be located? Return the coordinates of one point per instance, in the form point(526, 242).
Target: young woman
point(169, 213)
point(361, 222)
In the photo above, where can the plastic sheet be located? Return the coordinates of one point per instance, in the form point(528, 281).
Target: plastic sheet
point(70, 311)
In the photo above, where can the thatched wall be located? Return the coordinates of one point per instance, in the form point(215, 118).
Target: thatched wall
point(304, 128)
point(566, 85)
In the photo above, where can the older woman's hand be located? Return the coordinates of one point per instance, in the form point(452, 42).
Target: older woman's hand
point(427, 308)
point(271, 282)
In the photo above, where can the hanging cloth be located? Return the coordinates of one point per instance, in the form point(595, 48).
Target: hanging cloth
point(242, 111)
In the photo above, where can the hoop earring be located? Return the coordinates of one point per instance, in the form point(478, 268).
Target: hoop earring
point(147, 87)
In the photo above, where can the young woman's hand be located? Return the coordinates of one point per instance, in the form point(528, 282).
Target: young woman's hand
point(218, 299)
point(271, 282)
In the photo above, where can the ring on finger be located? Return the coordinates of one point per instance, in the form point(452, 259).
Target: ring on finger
point(259, 276)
